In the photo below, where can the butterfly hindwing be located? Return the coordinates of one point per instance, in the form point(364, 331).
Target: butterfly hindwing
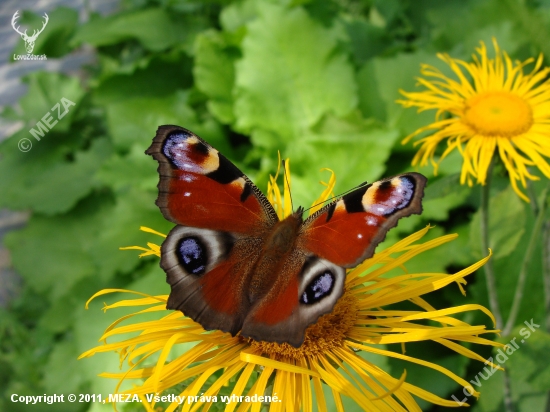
point(308, 289)
point(347, 231)
point(208, 272)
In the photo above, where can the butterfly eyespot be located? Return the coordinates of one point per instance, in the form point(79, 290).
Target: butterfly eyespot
point(187, 153)
point(320, 287)
point(193, 256)
point(193, 251)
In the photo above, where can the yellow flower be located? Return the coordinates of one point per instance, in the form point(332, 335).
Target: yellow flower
point(291, 379)
point(492, 106)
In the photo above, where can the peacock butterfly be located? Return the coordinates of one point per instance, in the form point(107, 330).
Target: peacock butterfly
point(233, 265)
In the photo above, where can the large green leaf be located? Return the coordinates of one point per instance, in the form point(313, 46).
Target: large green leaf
point(366, 40)
point(460, 25)
point(155, 77)
point(136, 121)
point(120, 227)
point(52, 253)
point(236, 15)
point(291, 74)
point(62, 374)
point(49, 101)
point(132, 170)
point(525, 365)
point(380, 80)
point(354, 148)
point(43, 179)
point(214, 73)
point(163, 29)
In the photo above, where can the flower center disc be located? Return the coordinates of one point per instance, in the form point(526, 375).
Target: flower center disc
point(498, 114)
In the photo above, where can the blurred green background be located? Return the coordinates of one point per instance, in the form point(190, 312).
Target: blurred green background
point(316, 80)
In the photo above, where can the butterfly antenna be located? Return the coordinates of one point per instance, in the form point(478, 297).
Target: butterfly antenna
point(287, 184)
point(338, 196)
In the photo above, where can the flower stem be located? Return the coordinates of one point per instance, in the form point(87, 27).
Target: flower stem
point(488, 267)
point(490, 275)
point(546, 272)
point(508, 403)
point(518, 295)
point(546, 280)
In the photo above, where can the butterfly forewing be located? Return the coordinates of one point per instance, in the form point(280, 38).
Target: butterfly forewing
point(347, 231)
point(200, 187)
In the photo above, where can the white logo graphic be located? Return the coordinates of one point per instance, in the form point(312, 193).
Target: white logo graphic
point(29, 40)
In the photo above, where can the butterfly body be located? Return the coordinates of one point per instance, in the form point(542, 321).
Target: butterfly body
point(233, 265)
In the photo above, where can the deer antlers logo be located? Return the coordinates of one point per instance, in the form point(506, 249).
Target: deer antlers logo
point(29, 40)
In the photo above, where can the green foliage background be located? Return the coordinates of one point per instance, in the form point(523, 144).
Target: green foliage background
point(315, 79)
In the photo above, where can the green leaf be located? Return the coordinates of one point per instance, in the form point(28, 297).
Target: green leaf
point(62, 374)
point(120, 227)
point(389, 9)
point(366, 40)
point(157, 77)
point(504, 208)
point(214, 73)
point(136, 121)
point(492, 395)
point(163, 29)
point(371, 101)
point(54, 254)
point(134, 169)
point(436, 260)
point(441, 196)
point(50, 96)
point(236, 15)
point(291, 74)
point(439, 208)
point(507, 271)
point(529, 376)
point(525, 364)
point(461, 25)
point(51, 253)
point(354, 148)
point(379, 82)
point(442, 187)
point(43, 179)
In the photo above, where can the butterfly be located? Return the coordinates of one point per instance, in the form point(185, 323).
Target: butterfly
point(233, 265)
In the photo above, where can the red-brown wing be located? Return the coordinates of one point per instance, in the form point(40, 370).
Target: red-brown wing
point(207, 271)
point(347, 231)
point(306, 288)
point(200, 187)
